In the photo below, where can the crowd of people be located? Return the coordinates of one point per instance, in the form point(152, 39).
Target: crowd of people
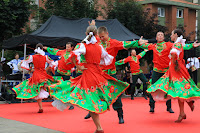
point(95, 86)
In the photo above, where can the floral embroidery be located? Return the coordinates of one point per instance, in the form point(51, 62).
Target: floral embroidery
point(160, 47)
point(178, 45)
point(79, 96)
point(112, 89)
point(29, 90)
point(187, 86)
point(176, 87)
point(95, 99)
point(160, 70)
point(134, 58)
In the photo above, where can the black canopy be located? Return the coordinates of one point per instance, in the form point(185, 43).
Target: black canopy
point(56, 31)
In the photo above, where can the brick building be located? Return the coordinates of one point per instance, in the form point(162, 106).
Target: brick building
point(197, 15)
point(32, 20)
point(172, 13)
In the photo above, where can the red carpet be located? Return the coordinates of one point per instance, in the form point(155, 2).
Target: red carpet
point(136, 115)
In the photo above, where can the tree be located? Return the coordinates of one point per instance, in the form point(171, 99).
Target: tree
point(132, 15)
point(69, 9)
point(13, 16)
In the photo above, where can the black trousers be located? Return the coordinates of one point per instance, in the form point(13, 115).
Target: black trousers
point(65, 77)
point(118, 103)
point(193, 75)
point(144, 81)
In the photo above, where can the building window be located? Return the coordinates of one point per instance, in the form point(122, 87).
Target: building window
point(33, 24)
point(35, 2)
point(161, 12)
point(195, 1)
point(179, 13)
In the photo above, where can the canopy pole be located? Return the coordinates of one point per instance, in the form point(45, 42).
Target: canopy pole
point(2, 56)
point(23, 76)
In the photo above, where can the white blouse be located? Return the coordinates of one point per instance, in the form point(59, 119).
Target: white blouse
point(25, 63)
point(106, 59)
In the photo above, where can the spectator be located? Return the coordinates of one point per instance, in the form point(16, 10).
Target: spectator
point(192, 66)
point(13, 64)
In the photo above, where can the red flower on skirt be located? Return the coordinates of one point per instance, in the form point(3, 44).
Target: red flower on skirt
point(181, 79)
point(93, 102)
point(166, 87)
point(112, 89)
point(79, 96)
point(29, 90)
point(92, 89)
point(17, 86)
point(187, 86)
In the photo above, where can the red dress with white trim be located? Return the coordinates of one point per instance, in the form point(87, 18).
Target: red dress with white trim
point(35, 87)
point(175, 83)
point(94, 90)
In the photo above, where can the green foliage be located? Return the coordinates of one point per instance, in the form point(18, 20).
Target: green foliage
point(13, 16)
point(132, 16)
point(69, 9)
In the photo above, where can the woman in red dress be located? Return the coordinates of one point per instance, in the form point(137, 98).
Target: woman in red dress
point(94, 90)
point(35, 87)
point(176, 83)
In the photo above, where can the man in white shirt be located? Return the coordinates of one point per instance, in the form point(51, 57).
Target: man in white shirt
point(13, 64)
point(192, 66)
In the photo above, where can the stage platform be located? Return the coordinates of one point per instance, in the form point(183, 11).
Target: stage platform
point(136, 115)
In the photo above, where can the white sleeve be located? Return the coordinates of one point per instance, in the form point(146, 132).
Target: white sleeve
point(106, 59)
point(79, 51)
point(196, 63)
point(188, 65)
point(25, 63)
point(10, 64)
point(48, 60)
point(52, 64)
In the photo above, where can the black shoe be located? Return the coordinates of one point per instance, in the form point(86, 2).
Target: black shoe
point(170, 110)
point(151, 110)
point(87, 116)
point(145, 97)
point(121, 120)
point(132, 97)
point(120, 115)
point(71, 108)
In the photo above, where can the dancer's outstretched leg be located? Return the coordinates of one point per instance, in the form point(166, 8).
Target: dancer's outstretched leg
point(182, 114)
point(40, 105)
point(96, 120)
point(191, 105)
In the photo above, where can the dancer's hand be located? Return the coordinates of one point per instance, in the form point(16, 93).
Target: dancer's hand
point(141, 41)
point(32, 70)
point(146, 50)
point(195, 44)
point(81, 67)
point(45, 47)
point(92, 22)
